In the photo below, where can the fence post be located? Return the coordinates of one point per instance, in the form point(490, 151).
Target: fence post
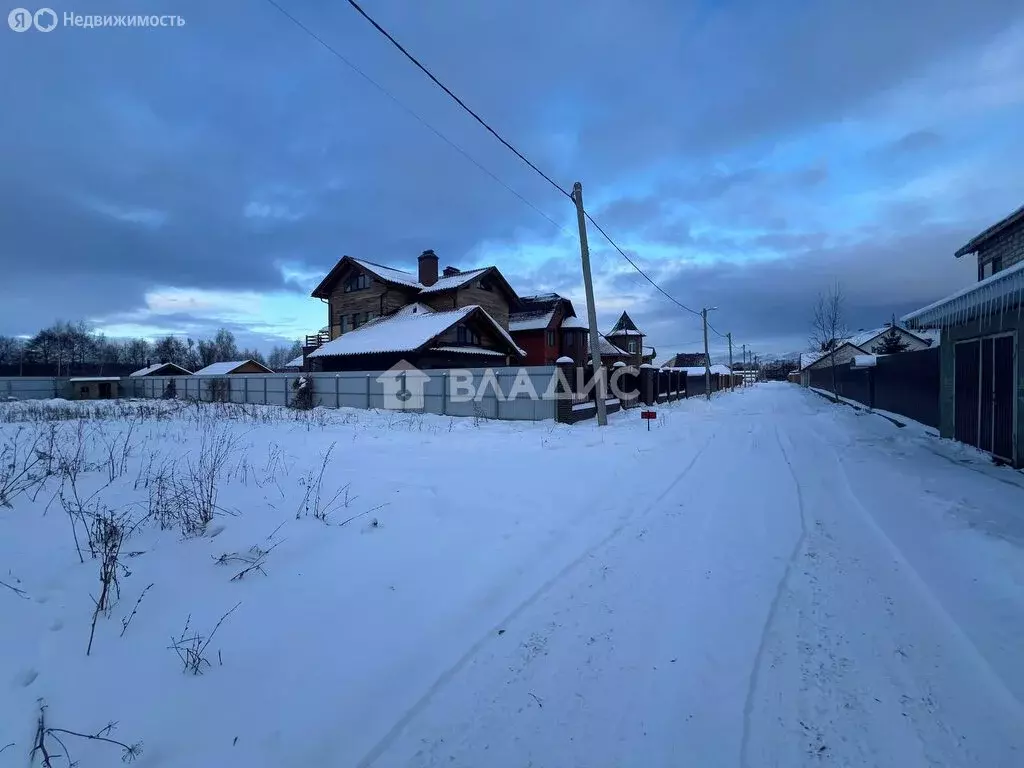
point(337, 390)
point(444, 393)
point(245, 391)
point(367, 391)
point(264, 390)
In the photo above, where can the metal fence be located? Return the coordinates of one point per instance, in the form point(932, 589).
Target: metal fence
point(906, 383)
point(33, 387)
point(496, 393)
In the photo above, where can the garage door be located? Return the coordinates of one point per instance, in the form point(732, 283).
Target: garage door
point(985, 384)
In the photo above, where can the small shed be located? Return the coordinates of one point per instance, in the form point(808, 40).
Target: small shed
point(95, 387)
point(233, 368)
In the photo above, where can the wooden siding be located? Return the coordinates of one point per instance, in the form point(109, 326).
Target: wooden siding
point(249, 367)
point(494, 301)
point(1007, 246)
point(440, 302)
point(381, 298)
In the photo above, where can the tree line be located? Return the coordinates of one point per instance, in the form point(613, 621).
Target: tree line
point(67, 348)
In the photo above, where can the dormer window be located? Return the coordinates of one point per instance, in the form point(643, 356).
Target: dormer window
point(357, 283)
point(485, 285)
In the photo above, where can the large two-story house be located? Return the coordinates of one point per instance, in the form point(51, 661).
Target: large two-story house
point(378, 315)
point(981, 398)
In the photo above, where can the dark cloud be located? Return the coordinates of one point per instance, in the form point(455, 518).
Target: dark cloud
point(208, 155)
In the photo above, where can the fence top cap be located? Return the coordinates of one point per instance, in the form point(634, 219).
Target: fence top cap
point(564, 359)
point(646, 365)
point(619, 364)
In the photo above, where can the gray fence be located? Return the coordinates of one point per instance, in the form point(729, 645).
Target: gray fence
point(32, 387)
point(498, 393)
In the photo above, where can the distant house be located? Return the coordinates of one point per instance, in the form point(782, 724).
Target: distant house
point(626, 336)
point(981, 397)
point(464, 337)
point(359, 293)
point(863, 343)
point(161, 369)
point(233, 368)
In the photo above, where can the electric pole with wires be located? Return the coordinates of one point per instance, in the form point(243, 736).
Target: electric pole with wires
point(707, 356)
point(732, 381)
point(588, 285)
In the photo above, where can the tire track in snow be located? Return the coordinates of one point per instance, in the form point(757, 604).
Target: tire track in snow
point(984, 668)
point(395, 731)
point(755, 674)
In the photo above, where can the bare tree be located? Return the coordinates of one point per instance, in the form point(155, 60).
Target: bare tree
point(828, 328)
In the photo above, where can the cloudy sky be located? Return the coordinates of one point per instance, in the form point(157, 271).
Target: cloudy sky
point(747, 154)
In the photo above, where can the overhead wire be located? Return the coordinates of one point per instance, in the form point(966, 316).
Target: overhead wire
point(334, 51)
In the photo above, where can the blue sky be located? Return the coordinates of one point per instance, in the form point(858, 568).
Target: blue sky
point(747, 154)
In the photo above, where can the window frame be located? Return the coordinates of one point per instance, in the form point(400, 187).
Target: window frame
point(359, 282)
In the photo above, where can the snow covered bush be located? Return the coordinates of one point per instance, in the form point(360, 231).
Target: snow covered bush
point(303, 387)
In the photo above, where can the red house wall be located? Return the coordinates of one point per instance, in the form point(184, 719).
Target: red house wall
point(535, 344)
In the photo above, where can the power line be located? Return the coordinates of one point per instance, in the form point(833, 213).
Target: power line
point(500, 138)
point(637, 268)
point(327, 46)
point(457, 100)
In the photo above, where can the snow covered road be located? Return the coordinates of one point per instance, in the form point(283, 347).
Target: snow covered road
point(766, 579)
point(808, 592)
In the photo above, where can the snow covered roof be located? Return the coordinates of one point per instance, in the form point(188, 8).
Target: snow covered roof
point(95, 378)
point(575, 322)
point(467, 350)
point(454, 281)
point(156, 367)
point(807, 358)
point(404, 332)
point(1000, 292)
point(978, 240)
point(606, 348)
point(625, 332)
point(530, 321)
point(389, 274)
point(861, 338)
point(624, 326)
point(720, 369)
point(296, 363)
point(223, 369)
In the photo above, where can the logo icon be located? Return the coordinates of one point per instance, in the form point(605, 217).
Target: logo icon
point(20, 19)
point(403, 385)
point(45, 19)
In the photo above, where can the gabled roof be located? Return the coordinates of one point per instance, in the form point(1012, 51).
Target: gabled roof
point(408, 332)
point(822, 356)
point(149, 370)
point(405, 279)
point(624, 327)
point(536, 313)
point(979, 240)
point(296, 363)
point(223, 369)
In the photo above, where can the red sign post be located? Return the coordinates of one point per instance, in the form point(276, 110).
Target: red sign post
point(648, 416)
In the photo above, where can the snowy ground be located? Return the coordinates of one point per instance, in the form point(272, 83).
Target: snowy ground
point(767, 579)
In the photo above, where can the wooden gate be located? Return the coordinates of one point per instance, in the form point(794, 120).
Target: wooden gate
point(984, 392)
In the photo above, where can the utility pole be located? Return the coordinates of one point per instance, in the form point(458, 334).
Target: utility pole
point(744, 365)
point(707, 358)
point(588, 284)
point(732, 385)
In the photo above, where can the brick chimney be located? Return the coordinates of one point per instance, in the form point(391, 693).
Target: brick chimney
point(428, 268)
point(451, 272)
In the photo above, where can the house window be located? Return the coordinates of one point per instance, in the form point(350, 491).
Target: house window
point(467, 335)
point(485, 285)
point(346, 323)
point(372, 316)
point(632, 346)
point(359, 318)
point(568, 338)
point(997, 264)
point(551, 338)
point(357, 283)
